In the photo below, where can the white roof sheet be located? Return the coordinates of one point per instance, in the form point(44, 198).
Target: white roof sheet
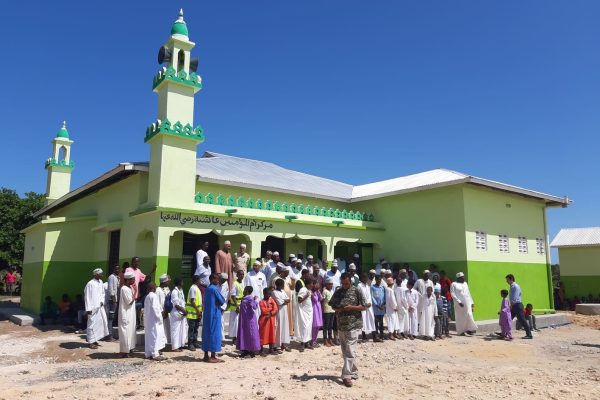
point(224, 169)
point(577, 237)
point(421, 180)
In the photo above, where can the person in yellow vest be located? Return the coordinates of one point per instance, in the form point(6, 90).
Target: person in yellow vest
point(193, 307)
point(235, 297)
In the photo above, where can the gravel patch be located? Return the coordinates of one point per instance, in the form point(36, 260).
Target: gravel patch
point(103, 370)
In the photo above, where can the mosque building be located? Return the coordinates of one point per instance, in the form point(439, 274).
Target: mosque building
point(162, 209)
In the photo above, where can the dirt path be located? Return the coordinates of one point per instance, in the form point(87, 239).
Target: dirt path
point(561, 363)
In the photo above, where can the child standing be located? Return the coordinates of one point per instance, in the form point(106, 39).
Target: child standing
point(391, 310)
point(248, 339)
point(441, 320)
point(328, 312)
point(317, 315)
point(505, 316)
point(428, 314)
point(378, 299)
point(412, 300)
point(266, 321)
point(282, 329)
point(305, 315)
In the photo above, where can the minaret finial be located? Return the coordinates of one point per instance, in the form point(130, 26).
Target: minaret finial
point(180, 18)
point(64, 125)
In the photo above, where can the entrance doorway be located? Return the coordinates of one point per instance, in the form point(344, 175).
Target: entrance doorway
point(274, 244)
point(191, 244)
point(114, 243)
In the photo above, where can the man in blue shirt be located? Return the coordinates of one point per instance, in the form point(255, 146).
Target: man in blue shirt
point(516, 306)
point(378, 301)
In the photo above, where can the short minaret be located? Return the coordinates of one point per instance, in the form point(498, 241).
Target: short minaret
point(59, 166)
point(172, 137)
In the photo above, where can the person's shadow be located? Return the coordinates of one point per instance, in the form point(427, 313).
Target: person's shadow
point(73, 345)
point(306, 377)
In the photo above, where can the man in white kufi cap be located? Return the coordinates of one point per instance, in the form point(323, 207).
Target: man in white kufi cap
point(97, 321)
point(127, 336)
point(162, 291)
point(463, 306)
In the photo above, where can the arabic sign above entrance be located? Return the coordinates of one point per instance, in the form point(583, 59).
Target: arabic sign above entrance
point(251, 225)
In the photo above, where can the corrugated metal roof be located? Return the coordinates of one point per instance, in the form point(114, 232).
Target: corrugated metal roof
point(421, 180)
point(224, 169)
point(236, 171)
point(229, 170)
point(577, 237)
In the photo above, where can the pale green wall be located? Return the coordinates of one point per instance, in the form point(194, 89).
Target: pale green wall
point(486, 210)
point(579, 261)
point(425, 226)
point(580, 270)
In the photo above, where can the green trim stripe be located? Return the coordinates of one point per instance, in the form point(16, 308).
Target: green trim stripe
point(293, 208)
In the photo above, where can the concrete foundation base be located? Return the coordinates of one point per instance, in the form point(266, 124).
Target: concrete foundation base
point(542, 321)
point(587, 309)
point(18, 316)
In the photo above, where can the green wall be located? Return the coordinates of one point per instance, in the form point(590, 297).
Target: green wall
point(581, 285)
point(425, 226)
point(487, 278)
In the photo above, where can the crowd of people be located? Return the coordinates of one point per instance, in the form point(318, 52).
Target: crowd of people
point(272, 304)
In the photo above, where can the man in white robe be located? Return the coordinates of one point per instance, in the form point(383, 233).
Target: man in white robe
point(412, 301)
point(177, 319)
point(258, 281)
point(235, 298)
point(463, 306)
point(305, 317)
point(154, 330)
point(97, 322)
point(127, 317)
point(224, 289)
point(282, 326)
point(162, 292)
point(428, 314)
point(368, 319)
point(399, 294)
point(391, 310)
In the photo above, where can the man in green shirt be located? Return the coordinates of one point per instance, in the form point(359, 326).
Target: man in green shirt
point(348, 302)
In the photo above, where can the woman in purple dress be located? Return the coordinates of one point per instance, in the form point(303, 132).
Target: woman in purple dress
point(317, 322)
point(505, 316)
point(248, 338)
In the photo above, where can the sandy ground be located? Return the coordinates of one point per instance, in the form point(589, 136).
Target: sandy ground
point(561, 363)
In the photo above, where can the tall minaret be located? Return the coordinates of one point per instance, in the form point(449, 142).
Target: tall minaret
point(59, 166)
point(172, 138)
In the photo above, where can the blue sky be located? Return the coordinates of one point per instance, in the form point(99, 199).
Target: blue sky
point(354, 91)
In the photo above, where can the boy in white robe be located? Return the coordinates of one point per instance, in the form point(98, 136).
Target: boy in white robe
point(428, 314)
point(154, 330)
point(391, 310)
point(127, 317)
point(412, 300)
point(399, 294)
point(368, 319)
point(235, 297)
point(304, 313)
point(162, 292)
point(97, 321)
point(177, 319)
point(282, 326)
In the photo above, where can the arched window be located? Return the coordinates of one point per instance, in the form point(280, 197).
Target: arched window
point(62, 153)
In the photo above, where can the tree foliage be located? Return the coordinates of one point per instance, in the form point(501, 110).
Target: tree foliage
point(16, 213)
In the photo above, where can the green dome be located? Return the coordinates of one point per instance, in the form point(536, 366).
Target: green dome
point(63, 133)
point(179, 27)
